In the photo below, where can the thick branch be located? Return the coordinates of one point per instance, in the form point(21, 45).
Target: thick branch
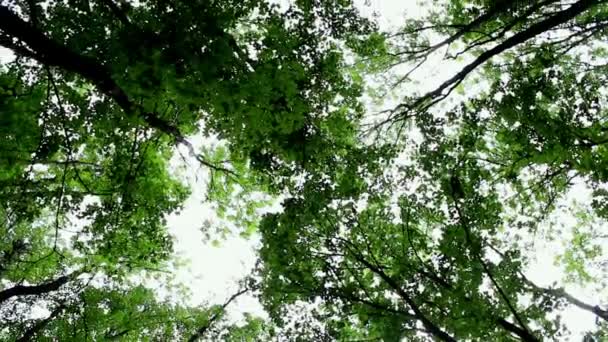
point(534, 30)
point(52, 53)
point(375, 305)
point(525, 333)
point(561, 293)
point(499, 7)
point(55, 54)
point(492, 37)
point(603, 314)
point(24, 290)
point(512, 328)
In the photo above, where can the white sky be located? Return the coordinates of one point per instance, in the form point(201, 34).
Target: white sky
point(213, 271)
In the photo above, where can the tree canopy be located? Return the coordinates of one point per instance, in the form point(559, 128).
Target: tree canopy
point(406, 213)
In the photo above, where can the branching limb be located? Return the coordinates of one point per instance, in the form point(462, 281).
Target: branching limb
point(431, 327)
point(38, 326)
point(200, 332)
point(51, 53)
point(525, 333)
point(442, 91)
point(25, 290)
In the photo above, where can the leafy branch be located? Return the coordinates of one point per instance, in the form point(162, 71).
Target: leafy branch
point(51, 53)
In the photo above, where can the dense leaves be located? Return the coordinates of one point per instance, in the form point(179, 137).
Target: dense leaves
point(92, 108)
point(416, 222)
point(436, 243)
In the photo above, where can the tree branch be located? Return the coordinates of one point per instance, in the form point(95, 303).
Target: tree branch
point(428, 324)
point(25, 290)
point(561, 293)
point(498, 8)
point(493, 36)
point(35, 329)
point(424, 102)
point(52, 53)
point(525, 333)
point(603, 314)
point(200, 332)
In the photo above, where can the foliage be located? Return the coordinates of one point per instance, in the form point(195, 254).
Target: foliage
point(417, 223)
point(92, 108)
point(436, 242)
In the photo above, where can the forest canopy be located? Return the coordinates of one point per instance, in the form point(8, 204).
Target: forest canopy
point(408, 210)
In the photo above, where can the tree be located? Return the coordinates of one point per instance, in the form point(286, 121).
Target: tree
point(92, 109)
point(416, 223)
point(111, 314)
point(436, 249)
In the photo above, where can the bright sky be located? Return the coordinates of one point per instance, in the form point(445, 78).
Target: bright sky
point(213, 271)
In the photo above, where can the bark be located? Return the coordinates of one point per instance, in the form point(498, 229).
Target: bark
point(35, 290)
point(524, 334)
point(431, 327)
